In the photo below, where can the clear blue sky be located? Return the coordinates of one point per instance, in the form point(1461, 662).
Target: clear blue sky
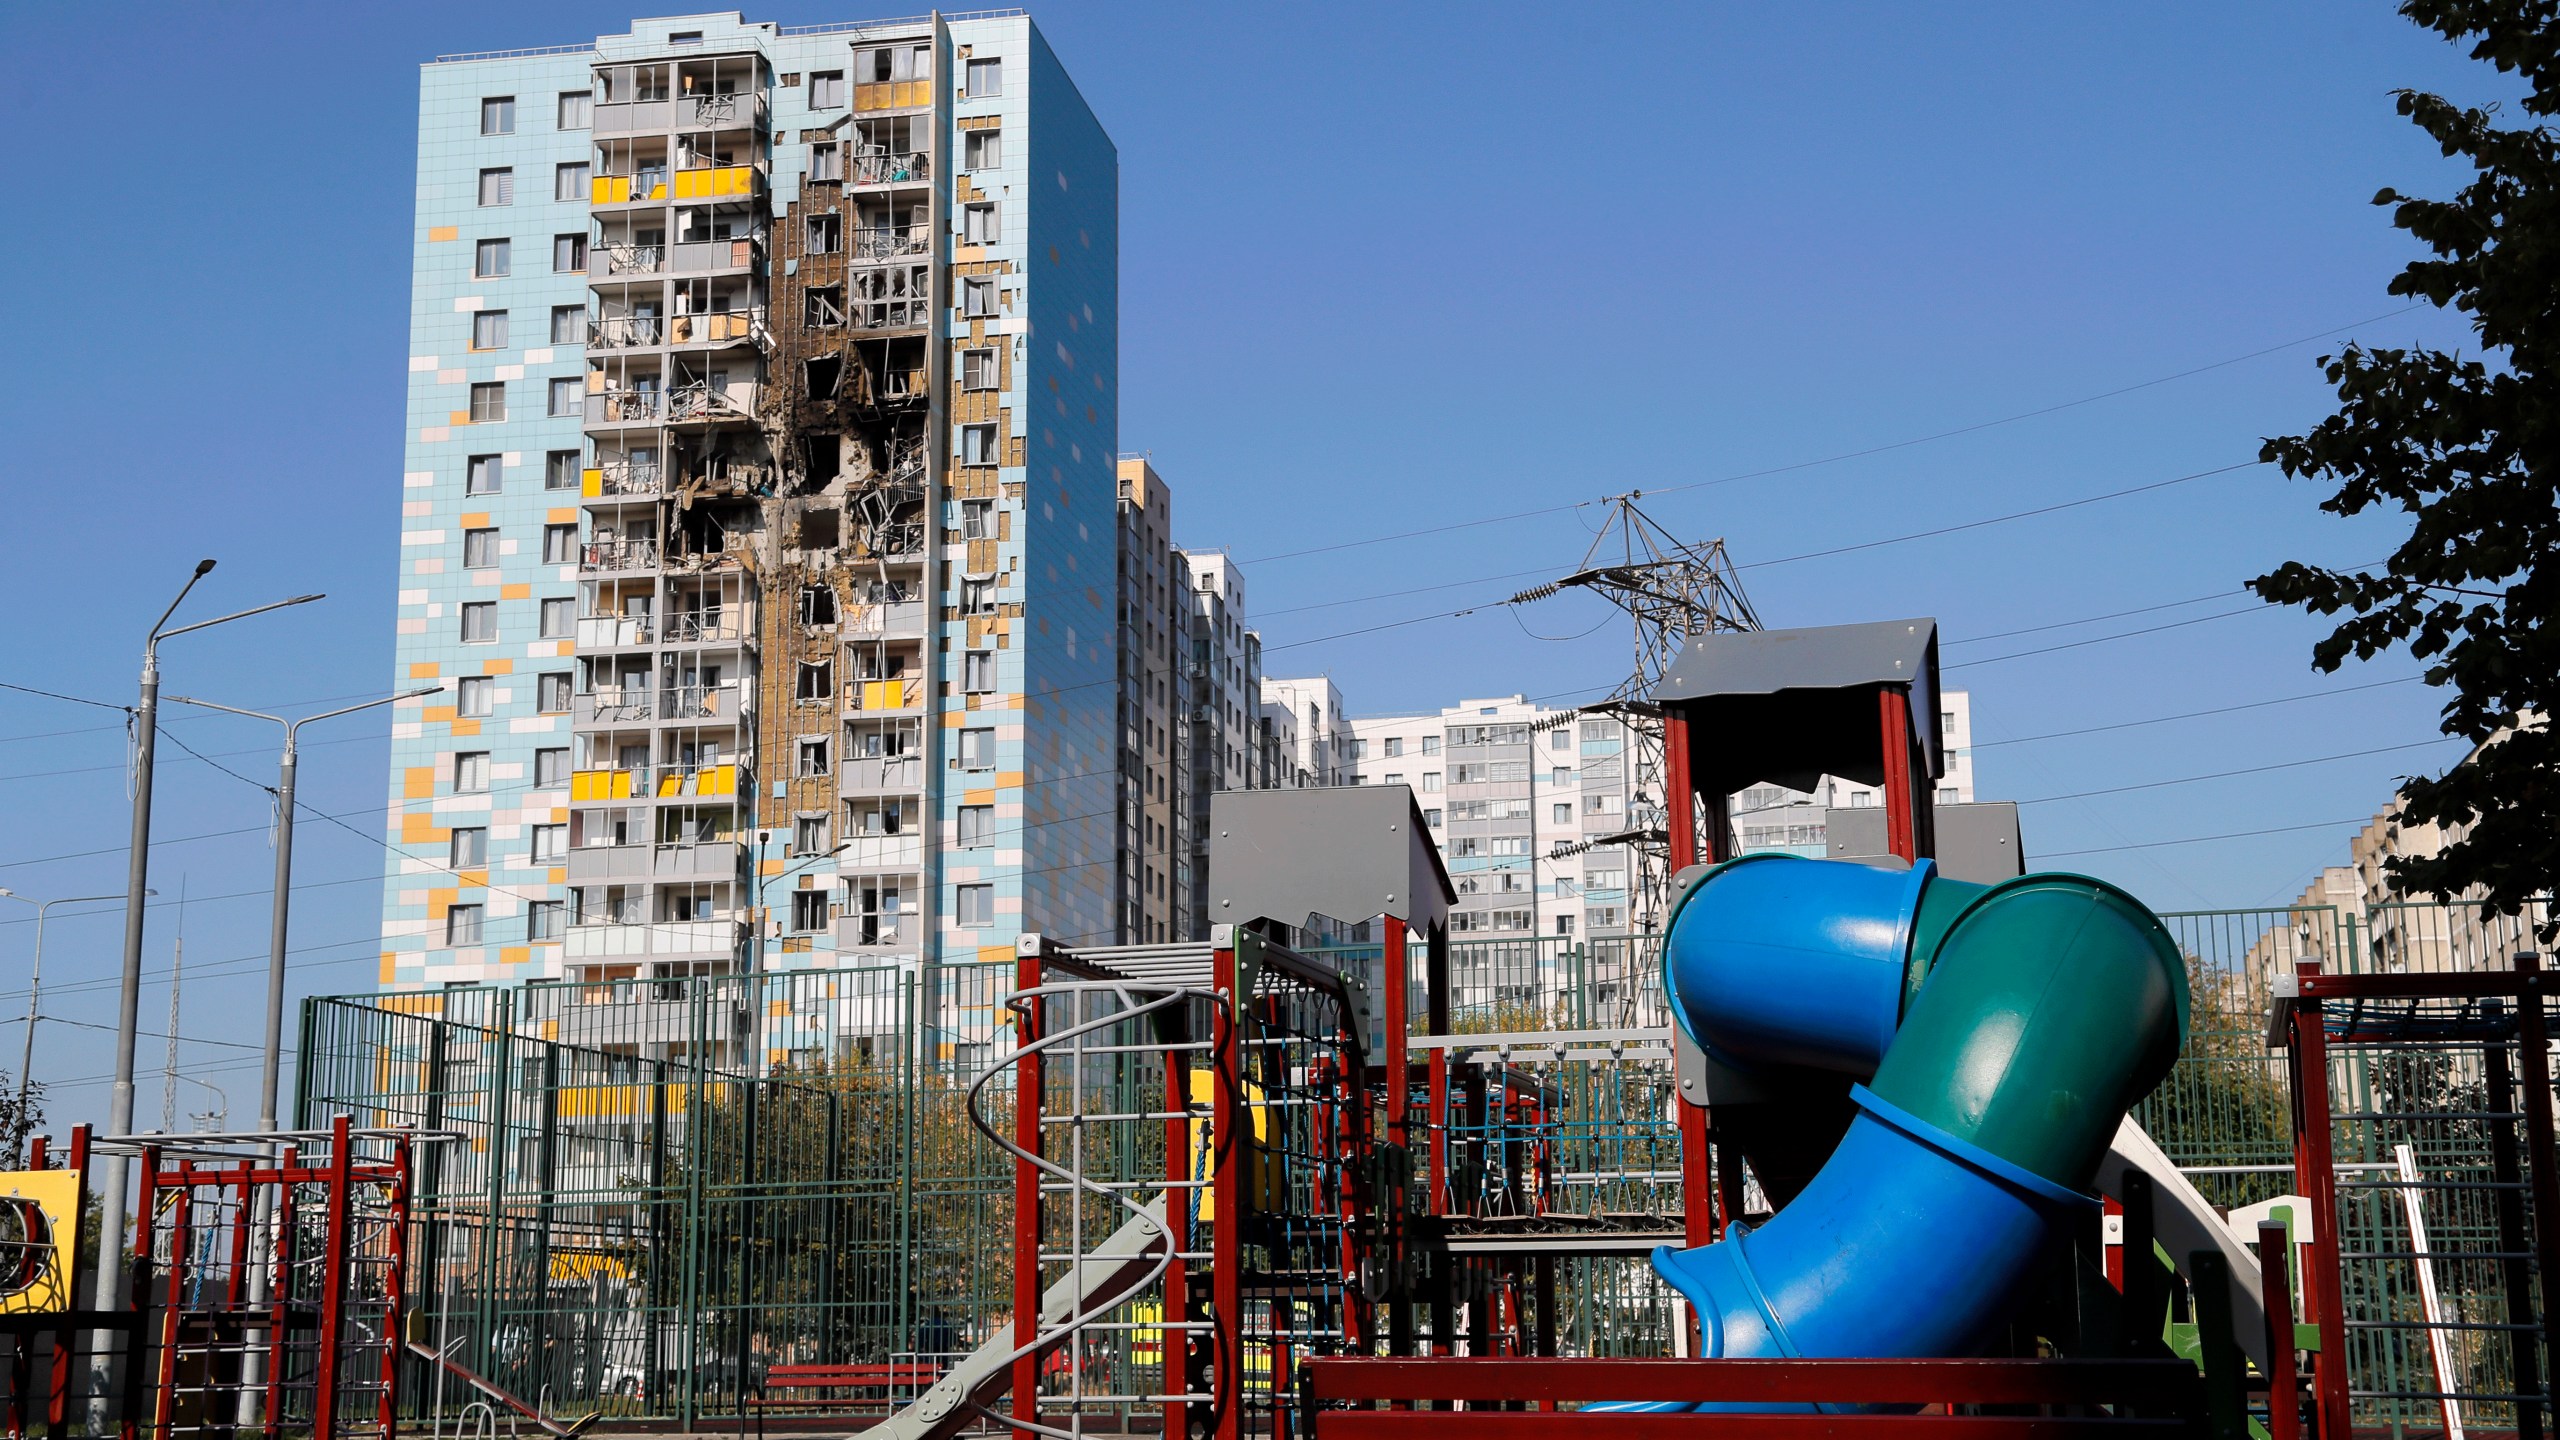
point(1384, 267)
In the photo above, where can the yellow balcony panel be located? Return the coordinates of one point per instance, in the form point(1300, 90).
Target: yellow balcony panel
point(600, 785)
point(591, 482)
point(609, 189)
point(717, 780)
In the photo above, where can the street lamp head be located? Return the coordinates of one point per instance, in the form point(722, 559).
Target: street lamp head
point(203, 568)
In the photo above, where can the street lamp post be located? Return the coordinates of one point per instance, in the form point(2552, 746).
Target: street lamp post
point(107, 1287)
point(279, 924)
point(35, 985)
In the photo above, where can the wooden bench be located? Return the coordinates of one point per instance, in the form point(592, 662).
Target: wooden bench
point(840, 1387)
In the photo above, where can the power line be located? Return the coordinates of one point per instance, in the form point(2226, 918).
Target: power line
point(2119, 635)
point(2228, 774)
point(2198, 714)
point(2201, 839)
point(2223, 594)
point(2002, 519)
point(69, 699)
point(1847, 454)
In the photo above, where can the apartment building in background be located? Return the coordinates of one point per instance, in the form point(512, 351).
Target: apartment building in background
point(1154, 890)
point(1505, 783)
point(1310, 731)
point(759, 506)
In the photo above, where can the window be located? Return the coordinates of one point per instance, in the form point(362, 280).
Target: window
point(977, 370)
point(498, 186)
point(567, 397)
point(825, 234)
point(577, 109)
point(489, 330)
point(568, 325)
point(977, 826)
point(551, 690)
point(1947, 794)
point(479, 549)
point(826, 162)
point(817, 681)
point(480, 622)
point(489, 258)
point(978, 225)
point(813, 756)
point(978, 297)
point(1430, 782)
point(1606, 918)
point(1603, 804)
point(545, 919)
point(475, 697)
point(978, 672)
point(1391, 778)
point(569, 182)
point(568, 253)
point(985, 149)
point(1564, 926)
point(1392, 746)
point(550, 844)
point(978, 445)
point(978, 749)
point(489, 402)
point(462, 924)
point(498, 115)
point(977, 905)
point(809, 835)
point(826, 89)
point(808, 910)
point(986, 78)
point(977, 597)
point(550, 768)
point(1431, 818)
point(1561, 739)
point(470, 847)
point(684, 37)
point(559, 547)
point(471, 772)
point(1563, 814)
point(817, 605)
point(559, 472)
point(484, 474)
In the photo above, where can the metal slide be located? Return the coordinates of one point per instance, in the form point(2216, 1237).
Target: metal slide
point(501, 1395)
point(2184, 1224)
point(1109, 1270)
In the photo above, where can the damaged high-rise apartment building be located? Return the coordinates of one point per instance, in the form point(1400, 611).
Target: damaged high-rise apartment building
point(760, 506)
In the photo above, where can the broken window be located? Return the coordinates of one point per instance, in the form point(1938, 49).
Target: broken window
point(817, 681)
point(977, 597)
point(817, 605)
point(823, 306)
point(826, 234)
point(977, 520)
point(978, 445)
point(978, 370)
point(818, 529)
point(823, 373)
point(813, 756)
point(985, 149)
point(892, 62)
point(978, 297)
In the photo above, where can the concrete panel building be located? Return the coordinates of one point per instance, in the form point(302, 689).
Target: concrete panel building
point(759, 506)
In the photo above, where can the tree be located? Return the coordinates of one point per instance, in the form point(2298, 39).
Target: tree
point(2470, 449)
point(19, 1122)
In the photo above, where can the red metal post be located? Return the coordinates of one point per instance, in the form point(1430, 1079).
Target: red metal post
point(395, 1289)
point(245, 1173)
point(1679, 791)
point(55, 1401)
point(1436, 1131)
point(1027, 1099)
point(1229, 1138)
point(2313, 1155)
point(1901, 799)
point(146, 1204)
point(164, 1387)
point(279, 1288)
point(1397, 1020)
point(2275, 1282)
point(1178, 1200)
point(333, 1286)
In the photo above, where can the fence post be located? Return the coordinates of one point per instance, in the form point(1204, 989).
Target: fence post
point(2515, 1274)
point(2534, 1059)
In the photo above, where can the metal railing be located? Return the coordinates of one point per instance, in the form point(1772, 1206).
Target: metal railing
point(615, 332)
point(623, 406)
point(888, 242)
point(629, 477)
point(618, 555)
point(623, 258)
point(879, 167)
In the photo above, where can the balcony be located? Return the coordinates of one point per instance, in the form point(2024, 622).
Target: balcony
point(622, 257)
point(877, 934)
point(879, 167)
point(881, 852)
point(675, 782)
point(621, 477)
point(643, 115)
point(888, 242)
point(606, 632)
point(701, 703)
point(725, 626)
point(702, 402)
point(611, 707)
point(642, 186)
point(717, 327)
point(607, 784)
point(880, 772)
point(721, 112)
point(698, 860)
point(604, 556)
point(896, 617)
point(714, 182)
point(623, 407)
point(737, 252)
point(665, 939)
point(626, 332)
point(873, 696)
